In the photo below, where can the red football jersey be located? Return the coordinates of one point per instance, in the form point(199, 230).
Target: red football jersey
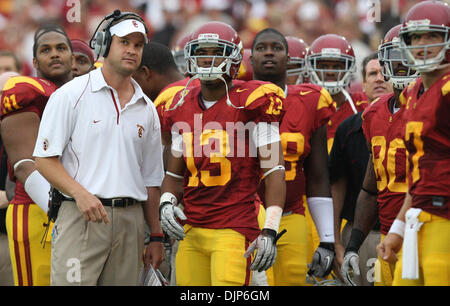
point(165, 97)
point(359, 100)
point(308, 107)
point(427, 139)
point(24, 94)
point(384, 132)
point(223, 170)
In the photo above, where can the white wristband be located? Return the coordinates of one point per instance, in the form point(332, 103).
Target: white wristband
point(180, 177)
point(38, 189)
point(321, 209)
point(273, 217)
point(397, 227)
point(22, 161)
point(276, 168)
point(168, 197)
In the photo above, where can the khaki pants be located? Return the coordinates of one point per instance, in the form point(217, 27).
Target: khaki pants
point(367, 255)
point(88, 253)
point(6, 274)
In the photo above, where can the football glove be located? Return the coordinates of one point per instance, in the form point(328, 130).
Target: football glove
point(167, 213)
point(266, 250)
point(322, 260)
point(350, 266)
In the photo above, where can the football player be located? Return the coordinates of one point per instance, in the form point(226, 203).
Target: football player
point(222, 139)
point(303, 137)
point(348, 163)
point(178, 52)
point(385, 184)
point(22, 104)
point(245, 72)
point(331, 63)
point(157, 70)
point(296, 68)
point(422, 227)
point(6, 194)
point(83, 58)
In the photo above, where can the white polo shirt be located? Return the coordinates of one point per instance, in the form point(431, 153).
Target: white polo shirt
point(112, 152)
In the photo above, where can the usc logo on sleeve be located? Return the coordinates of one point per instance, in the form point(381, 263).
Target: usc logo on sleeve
point(45, 144)
point(140, 130)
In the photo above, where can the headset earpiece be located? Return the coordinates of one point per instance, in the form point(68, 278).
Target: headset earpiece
point(101, 41)
point(106, 40)
point(99, 44)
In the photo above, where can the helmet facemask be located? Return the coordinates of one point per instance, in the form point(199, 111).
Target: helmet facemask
point(299, 69)
point(390, 58)
point(180, 61)
point(426, 64)
point(318, 75)
point(231, 57)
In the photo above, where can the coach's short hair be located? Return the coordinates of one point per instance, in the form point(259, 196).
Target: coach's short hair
point(366, 60)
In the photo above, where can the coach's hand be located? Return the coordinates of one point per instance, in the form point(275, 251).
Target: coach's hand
point(154, 255)
point(168, 214)
point(91, 207)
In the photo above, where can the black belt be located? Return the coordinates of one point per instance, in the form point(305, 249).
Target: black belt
point(116, 202)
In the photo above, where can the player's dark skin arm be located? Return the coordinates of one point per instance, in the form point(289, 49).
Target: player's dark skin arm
point(19, 133)
point(366, 210)
point(176, 165)
point(338, 193)
point(338, 190)
point(166, 138)
point(154, 254)
point(316, 166)
point(270, 156)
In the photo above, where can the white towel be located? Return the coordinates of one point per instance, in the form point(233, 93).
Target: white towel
point(410, 265)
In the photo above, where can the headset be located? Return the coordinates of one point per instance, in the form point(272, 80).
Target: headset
point(101, 41)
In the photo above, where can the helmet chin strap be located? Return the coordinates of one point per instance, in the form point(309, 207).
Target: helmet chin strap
point(350, 101)
point(183, 93)
point(228, 97)
point(299, 79)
